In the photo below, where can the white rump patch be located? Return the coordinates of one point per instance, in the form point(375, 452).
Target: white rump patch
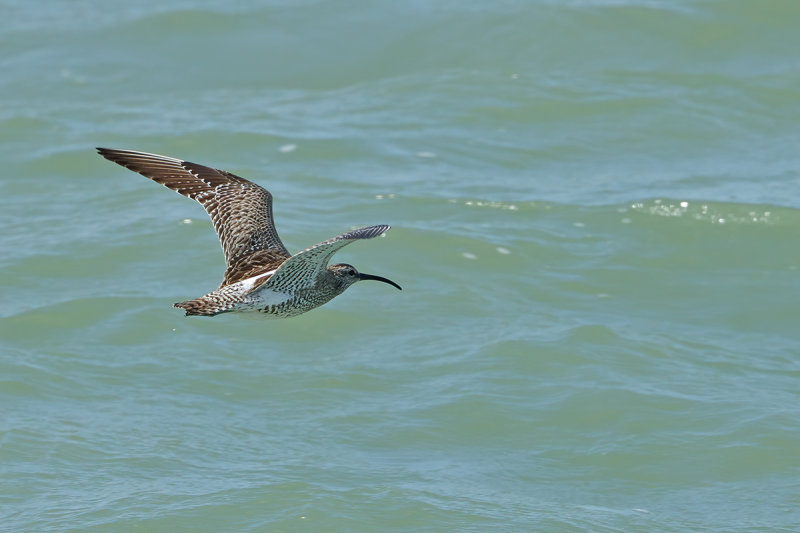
point(264, 296)
point(249, 283)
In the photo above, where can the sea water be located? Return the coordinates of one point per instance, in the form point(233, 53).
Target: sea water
point(595, 211)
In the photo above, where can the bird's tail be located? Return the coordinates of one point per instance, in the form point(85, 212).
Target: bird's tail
point(207, 305)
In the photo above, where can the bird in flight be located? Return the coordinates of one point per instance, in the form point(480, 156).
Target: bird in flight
point(261, 275)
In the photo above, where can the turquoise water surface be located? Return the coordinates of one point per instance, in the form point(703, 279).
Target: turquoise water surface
point(595, 210)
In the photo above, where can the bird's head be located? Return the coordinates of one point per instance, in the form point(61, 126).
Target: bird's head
point(347, 275)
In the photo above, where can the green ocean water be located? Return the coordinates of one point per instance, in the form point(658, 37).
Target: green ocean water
point(595, 209)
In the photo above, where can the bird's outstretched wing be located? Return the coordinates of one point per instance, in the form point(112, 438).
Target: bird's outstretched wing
point(240, 210)
point(303, 268)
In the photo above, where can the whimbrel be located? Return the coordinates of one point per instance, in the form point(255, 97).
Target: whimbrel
point(261, 275)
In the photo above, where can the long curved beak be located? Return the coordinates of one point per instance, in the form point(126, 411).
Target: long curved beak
point(363, 277)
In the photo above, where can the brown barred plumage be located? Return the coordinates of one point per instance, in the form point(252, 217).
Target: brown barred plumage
point(260, 273)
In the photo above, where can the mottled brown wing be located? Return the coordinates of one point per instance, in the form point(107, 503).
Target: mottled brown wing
point(240, 210)
point(303, 268)
point(251, 265)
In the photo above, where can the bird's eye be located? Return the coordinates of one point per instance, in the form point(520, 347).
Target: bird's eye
point(351, 272)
